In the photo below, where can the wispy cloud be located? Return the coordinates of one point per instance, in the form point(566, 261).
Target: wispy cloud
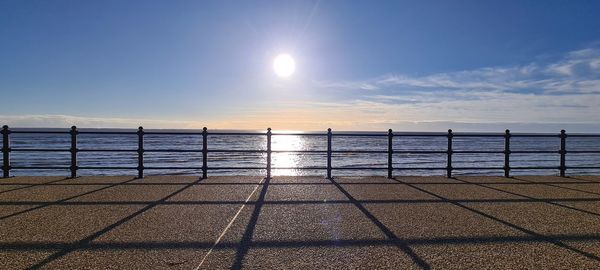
point(562, 91)
point(63, 121)
point(575, 72)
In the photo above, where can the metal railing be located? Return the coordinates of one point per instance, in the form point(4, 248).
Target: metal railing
point(74, 150)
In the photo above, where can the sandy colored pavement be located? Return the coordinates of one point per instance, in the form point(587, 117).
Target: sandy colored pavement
point(182, 222)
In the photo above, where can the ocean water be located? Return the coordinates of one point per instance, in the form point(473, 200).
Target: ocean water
point(296, 142)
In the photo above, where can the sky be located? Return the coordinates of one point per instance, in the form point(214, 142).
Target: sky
point(360, 65)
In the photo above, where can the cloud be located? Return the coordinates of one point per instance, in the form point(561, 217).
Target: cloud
point(578, 63)
point(575, 72)
point(64, 121)
point(565, 90)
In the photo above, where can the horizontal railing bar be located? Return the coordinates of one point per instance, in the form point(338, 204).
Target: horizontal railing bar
point(235, 151)
point(535, 152)
point(172, 168)
point(359, 134)
point(308, 168)
point(536, 168)
point(106, 168)
point(358, 151)
point(478, 168)
point(584, 135)
point(173, 150)
point(40, 168)
point(400, 134)
point(37, 132)
point(535, 135)
point(359, 168)
point(420, 168)
point(420, 135)
point(304, 134)
point(299, 168)
point(38, 150)
point(237, 133)
point(172, 133)
point(420, 152)
point(237, 168)
point(108, 132)
point(299, 134)
point(299, 151)
point(307, 151)
point(106, 150)
point(477, 152)
point(499, 135)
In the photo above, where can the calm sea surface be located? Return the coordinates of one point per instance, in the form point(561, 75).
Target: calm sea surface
point(283, 142)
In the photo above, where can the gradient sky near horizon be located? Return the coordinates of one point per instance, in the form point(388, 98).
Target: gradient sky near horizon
point(361, 65)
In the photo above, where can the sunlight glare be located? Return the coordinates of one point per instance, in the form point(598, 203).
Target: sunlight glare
point(286, 160)
point(284, 65)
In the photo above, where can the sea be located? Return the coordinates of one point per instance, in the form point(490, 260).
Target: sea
point(341, 162)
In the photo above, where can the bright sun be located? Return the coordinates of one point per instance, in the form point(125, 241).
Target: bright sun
point(284, 65)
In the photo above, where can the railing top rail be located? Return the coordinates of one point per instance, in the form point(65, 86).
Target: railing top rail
point(238, 133)
point(257, 133)
point(171, 133)
point(298, 134)
point(108, 132)
point(584, 135)
point(38, 132)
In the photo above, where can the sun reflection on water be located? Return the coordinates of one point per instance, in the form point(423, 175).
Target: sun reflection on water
point(286, 160)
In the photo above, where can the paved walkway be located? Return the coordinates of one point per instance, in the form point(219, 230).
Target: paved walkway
point(177, 222)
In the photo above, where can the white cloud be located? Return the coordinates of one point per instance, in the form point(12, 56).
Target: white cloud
point(566, 90)
point(64, 121)
point(575, 72)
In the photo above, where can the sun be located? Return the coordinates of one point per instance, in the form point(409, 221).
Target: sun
point(284, 65)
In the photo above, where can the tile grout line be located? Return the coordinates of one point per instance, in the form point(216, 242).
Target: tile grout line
point(228, 225)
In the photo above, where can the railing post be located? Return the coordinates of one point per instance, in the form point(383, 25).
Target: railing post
point(204, 153)
point(329, 136)
point(507, 153)
point(268, 153)
point(390, 152)
point(5, 152)
point(563, 152)
point(140, 167)
point(73, 151)
point(449, 166)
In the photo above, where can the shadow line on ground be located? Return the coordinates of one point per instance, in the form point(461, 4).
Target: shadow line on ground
point(46, 204)
point(246, 241)
point(511, 225)
point(400, 243)
point(533, 198)
point(299, 202)
point(29, 185)
point(44, 246)
point(85, 241)
point(554, 184)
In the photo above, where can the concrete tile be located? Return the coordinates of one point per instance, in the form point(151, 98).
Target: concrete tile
point(48, 193)
point(130, 193)
point(543, 191)
point(542, 218)
point(303, 193)
point(397, 191)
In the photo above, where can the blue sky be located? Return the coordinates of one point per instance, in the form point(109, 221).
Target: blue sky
point(361, 65)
